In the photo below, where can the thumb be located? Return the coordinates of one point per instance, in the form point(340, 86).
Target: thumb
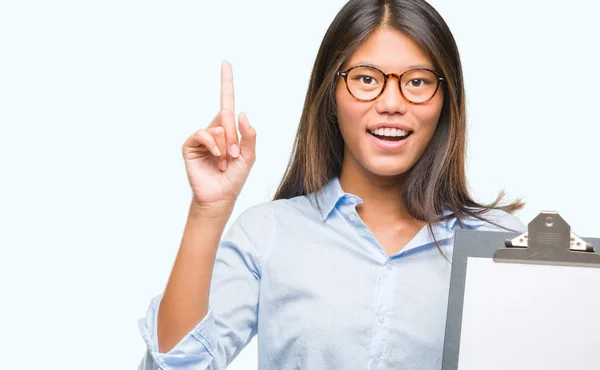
point(248, 138)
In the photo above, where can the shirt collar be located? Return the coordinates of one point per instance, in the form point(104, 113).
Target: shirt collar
point(442, 230)
point(332, 193)
point(469, 222)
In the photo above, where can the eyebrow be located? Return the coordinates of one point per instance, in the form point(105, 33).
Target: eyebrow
point(412, 66)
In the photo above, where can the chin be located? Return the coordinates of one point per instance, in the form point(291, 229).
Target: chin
point(388, 169)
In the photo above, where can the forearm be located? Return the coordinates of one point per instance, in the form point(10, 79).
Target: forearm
point(185, 301)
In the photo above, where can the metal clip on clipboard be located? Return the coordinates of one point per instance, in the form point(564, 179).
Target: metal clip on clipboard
point(548, 241)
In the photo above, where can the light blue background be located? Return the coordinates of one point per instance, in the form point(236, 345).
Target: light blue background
point(97, 97)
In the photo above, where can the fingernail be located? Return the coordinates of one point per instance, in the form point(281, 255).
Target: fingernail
point(217, 151)
point(223, 164)
point(234, 151)
point(247, 122)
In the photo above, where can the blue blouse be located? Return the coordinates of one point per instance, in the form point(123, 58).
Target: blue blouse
point(320, 292)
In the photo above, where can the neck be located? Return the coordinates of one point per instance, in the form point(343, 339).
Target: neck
point(383, 202)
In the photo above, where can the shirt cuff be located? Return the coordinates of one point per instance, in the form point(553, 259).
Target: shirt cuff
point(195, 351)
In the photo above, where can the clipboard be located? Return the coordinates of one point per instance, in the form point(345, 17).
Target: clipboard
point(548, 242)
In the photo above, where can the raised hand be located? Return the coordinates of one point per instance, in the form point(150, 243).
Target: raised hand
point(217, 163)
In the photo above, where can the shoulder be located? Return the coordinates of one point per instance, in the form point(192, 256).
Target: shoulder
point(253, 225)
point(268, 213)
point(496, 220)
point(258, 223)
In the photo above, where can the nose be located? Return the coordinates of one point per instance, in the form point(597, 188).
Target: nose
point(391, 100)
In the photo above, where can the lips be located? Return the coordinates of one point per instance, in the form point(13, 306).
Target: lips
point(390, 134)
point(389, 125)
point(389, 138)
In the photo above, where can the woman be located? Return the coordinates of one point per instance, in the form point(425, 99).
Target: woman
point(348, 268)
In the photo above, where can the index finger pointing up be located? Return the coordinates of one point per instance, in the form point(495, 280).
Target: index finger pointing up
point(227, 96)
point(228, 109)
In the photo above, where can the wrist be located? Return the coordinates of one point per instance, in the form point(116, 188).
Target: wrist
point(213, 210)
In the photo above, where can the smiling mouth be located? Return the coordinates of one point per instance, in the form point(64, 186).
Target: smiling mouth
point(390, 134)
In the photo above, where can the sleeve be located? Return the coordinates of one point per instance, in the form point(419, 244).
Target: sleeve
point(231, 321)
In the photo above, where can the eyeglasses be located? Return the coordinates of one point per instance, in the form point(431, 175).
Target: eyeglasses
point(366, 83)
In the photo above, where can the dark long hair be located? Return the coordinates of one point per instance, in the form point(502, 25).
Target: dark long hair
point(437, 181)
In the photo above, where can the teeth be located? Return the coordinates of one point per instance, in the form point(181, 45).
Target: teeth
point(389, 132)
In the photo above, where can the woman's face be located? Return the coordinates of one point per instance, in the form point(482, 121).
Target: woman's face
point(367, 147)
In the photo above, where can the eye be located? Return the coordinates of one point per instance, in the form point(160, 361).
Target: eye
point(417, 82)
point(367, 80)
